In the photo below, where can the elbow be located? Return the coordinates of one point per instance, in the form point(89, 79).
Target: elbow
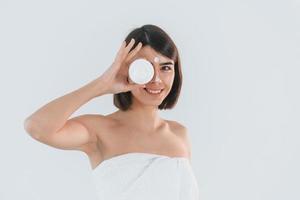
point(31, 128)
point(28, 125)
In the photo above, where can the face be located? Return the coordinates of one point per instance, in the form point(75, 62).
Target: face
point(160, 85)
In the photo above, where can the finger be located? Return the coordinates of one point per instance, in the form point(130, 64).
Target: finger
point(121, 68)
point(132, 40)
point(121, 50)
point(134, 51)
point(129, 46)
point(123, 44)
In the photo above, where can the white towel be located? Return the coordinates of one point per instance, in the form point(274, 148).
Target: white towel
point(145, 176)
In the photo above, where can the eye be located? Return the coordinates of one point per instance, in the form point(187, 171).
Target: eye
point(166, 68)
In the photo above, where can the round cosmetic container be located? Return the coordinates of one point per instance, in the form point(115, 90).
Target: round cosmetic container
point(141, 71)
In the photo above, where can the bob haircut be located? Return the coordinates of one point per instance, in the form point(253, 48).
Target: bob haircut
point(159, 40)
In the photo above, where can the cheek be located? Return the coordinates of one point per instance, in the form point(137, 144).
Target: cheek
point(138, 92)
point(168, 78)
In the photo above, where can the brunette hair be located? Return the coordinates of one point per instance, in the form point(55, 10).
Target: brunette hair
point(161, 42)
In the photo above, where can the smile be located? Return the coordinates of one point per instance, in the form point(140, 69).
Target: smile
point(153, 92)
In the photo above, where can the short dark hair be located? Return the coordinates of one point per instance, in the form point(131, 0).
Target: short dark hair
point(161, 42)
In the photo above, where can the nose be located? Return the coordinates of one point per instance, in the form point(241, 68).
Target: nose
point(156, 77)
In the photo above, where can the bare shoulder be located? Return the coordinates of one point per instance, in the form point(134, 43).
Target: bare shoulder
point(181, 131)
point(178, 128)
point(92, 121)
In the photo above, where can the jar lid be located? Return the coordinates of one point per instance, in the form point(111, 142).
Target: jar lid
point(141, 71)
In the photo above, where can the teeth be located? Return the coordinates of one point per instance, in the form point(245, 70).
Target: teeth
point(153, 91)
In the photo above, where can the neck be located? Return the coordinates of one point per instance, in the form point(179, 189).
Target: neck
point(144, 117)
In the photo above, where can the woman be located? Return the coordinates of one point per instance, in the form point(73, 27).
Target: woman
point(134, 153)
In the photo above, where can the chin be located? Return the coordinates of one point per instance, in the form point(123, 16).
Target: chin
point(150, 102)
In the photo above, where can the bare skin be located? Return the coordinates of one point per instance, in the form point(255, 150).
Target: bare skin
point(139, 129)
point(123, 136)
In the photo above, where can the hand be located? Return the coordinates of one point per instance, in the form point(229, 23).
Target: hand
point(115, 78)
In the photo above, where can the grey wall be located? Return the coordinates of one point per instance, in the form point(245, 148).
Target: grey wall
point(240, 98)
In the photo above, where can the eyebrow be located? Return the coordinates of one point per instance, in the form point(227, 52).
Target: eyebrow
point(164, 63)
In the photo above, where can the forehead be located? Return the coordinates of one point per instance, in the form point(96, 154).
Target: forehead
point(149, 53)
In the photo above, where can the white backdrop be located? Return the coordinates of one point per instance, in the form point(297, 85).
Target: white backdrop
point(240, 96)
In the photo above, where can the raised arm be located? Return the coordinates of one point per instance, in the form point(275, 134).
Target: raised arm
point(51, 125)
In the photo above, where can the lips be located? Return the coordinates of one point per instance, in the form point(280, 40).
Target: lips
point(154, 91)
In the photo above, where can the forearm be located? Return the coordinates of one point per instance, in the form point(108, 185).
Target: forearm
point(52, 116)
